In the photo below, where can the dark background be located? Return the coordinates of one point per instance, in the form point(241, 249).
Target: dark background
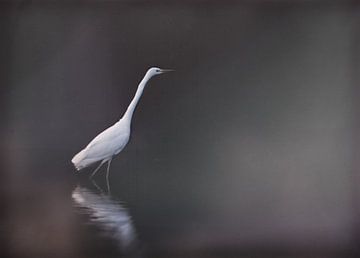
point(249, 148)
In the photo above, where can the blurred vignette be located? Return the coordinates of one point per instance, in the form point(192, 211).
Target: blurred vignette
point(248, 150)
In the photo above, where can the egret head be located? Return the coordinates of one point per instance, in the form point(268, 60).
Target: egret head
point(156, 71)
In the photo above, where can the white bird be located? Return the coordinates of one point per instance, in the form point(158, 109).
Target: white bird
point(113, 139)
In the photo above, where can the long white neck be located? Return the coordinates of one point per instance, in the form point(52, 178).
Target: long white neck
point(131, 108)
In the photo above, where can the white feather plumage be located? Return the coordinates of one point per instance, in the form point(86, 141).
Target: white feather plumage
point(113, 140)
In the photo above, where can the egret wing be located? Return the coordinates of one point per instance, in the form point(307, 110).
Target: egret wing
point(107, 143)
point(103, 146)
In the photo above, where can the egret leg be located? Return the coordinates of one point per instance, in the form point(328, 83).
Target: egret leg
point(107, 175)
point(96, 170)
point(97, 187)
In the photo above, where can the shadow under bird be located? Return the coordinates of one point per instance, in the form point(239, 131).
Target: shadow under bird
point(111, 141)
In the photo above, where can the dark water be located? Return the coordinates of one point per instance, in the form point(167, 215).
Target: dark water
point(109, 215)
point(249, 149)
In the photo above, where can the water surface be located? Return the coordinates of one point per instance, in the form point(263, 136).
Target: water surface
point(248, 149)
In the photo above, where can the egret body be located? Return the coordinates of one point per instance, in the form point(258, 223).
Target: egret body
point(113, 139)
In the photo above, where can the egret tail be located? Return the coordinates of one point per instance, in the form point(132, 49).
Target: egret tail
point(77, 160)
point(82, 160)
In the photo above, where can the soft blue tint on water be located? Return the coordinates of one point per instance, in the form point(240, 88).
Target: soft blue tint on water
point(109, 215)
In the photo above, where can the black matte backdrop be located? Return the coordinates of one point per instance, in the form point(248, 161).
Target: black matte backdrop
point(248, 148)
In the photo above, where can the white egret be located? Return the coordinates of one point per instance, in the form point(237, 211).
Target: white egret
point(113, 140)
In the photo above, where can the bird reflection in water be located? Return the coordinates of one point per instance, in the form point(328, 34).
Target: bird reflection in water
point(109, 215)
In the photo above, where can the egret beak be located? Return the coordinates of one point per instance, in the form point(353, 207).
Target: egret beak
point(166, 70)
